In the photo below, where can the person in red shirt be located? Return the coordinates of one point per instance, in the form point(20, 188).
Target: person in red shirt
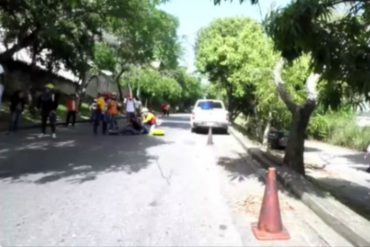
point(71, 110)
point(165, 107)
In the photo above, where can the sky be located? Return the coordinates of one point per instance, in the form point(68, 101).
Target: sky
point(196, 14)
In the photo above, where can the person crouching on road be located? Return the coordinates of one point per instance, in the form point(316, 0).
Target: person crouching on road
point(134, 127)
point(100, 114)
point(17, 103)
point(48, 102)
point(150, 120)
point(71, 110)
point(113, 112)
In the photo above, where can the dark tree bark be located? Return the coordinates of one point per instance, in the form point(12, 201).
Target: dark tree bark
point(294, 153)
point(117, 80)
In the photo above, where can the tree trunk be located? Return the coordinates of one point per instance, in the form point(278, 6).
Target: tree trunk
point(267, 130)
point(117, 80)
point(81, 89)
point(294, 153)
point(119, 90)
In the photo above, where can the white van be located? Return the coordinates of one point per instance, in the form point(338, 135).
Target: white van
point(209, 113)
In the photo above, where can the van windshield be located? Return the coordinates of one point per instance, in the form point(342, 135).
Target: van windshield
point(209, 105)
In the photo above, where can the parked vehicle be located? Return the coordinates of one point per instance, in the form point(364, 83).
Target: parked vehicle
point(278, 139)
point(209, 113)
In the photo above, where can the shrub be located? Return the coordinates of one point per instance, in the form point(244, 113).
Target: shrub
point(339, 128)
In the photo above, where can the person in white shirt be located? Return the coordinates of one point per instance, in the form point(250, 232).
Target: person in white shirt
point(130, 107)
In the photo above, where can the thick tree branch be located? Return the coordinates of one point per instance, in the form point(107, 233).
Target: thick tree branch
point(311, 84)
point(283, 93)
point(25, 42)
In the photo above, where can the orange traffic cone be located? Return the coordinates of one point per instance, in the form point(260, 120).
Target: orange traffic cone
point(269, 226)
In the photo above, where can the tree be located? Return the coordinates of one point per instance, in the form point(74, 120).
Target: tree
point(46, 24)
point(235, 54)
point(149, 36)
point(191, 87)
point(156, 87)
point(340, 52)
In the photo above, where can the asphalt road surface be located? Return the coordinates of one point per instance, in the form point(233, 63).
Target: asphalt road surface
point(86, 190)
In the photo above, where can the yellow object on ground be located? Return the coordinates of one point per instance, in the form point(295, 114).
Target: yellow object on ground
point(157, 132)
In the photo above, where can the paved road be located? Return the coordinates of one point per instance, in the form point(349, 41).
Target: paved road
point(85, 190)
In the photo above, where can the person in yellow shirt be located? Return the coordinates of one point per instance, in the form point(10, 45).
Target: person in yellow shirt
point(100, 114)
point(113, 112)
point(150, 120)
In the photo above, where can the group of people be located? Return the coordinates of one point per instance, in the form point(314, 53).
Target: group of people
point(47, 103)
point(106, 108)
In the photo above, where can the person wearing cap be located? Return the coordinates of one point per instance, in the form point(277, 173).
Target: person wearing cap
point(150, 120)
point(48, 103)
point(71, 109)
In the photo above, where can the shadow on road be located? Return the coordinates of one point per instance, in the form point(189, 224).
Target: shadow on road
point(357, 161)
point(311, 149)
point(175, 125)
point(350, 194)
point(240, 170)
point(76, 155)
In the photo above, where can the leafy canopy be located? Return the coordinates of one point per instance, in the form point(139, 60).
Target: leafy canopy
point(235, 54)
point(338, 44)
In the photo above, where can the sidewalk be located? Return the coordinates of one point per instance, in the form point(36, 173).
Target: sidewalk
point(339, 170)
point(343, 173)
point(339, 216)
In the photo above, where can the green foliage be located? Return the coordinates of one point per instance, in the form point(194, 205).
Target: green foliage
point(104, 57)
point(236, 55)
point(339, 128)
point(338, 46)
point(176, 87)
point(153, 86)
point(191, 86)
point(130, 32)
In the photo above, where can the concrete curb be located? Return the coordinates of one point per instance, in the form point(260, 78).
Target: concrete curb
point(350, 225)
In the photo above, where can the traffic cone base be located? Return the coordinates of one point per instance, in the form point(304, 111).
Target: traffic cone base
point(263, 235)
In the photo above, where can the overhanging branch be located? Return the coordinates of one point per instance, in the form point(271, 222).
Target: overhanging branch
point(283, 93)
